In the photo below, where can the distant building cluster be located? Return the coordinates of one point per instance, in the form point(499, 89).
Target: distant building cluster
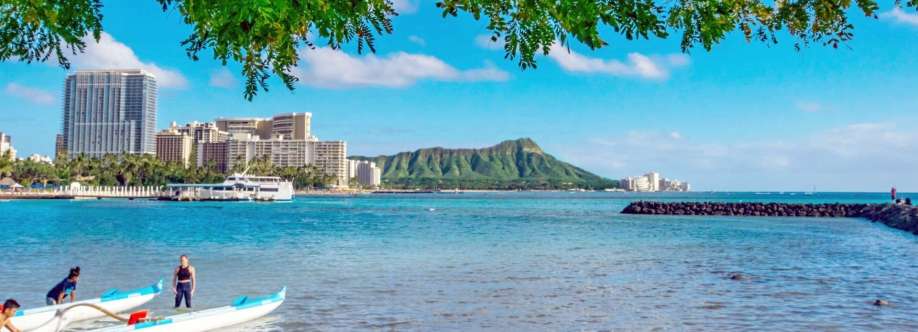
point(6, 146)
point(8, 151)
point(367, 174)
point(114, 112)
point(652, 182)
point(285, 140)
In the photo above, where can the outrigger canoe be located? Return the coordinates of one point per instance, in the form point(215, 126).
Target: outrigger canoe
point(55, 317)
point(242, 310)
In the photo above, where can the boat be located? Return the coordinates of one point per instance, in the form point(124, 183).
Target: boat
point(242, 310)
point(236, 187)
point(53, 318)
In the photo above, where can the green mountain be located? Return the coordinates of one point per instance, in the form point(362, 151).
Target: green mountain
point(515, 164)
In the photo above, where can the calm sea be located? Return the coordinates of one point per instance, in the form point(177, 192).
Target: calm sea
point(482, 261)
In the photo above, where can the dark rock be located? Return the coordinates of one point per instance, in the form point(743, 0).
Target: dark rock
point(897, 216)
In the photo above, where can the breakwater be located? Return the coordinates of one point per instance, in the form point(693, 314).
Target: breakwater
point(904, 217)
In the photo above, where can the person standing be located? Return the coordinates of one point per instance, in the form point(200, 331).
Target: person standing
point(7, 311)
point(892, 192)
point(65, 288)
point(184, 282)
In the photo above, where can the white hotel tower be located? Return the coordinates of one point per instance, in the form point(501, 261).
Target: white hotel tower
point(109, 112)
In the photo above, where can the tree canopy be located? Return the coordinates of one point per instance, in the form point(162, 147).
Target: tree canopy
point(145, 170)
point(266, 36)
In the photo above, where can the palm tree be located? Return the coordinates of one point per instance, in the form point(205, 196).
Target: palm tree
point(6, 164)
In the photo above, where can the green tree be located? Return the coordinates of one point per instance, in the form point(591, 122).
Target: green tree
point(266, 36)
point(6, 164)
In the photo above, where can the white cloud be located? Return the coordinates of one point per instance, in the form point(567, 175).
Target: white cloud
point(109, 53)
point(900, 16)
point(485, 42)
point(860, 156)
point(809, 106)
point(417, 40)
point(325, 67)
point(637, 64)
point(222, 78)
point(406, 6)
point(37, 96)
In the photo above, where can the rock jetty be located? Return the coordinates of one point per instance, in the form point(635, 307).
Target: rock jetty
point(904, 217)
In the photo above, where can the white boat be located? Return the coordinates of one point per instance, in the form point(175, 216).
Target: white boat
point(236, 187)
point(242, 310)
point(54, 318)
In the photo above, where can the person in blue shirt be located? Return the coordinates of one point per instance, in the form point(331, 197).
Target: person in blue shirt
point(65, 288)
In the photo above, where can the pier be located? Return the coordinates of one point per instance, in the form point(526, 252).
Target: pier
point(904, 217)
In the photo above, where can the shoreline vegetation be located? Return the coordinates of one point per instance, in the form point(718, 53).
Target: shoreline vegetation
point(144, 170)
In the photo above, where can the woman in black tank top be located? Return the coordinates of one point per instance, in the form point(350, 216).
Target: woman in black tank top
point(184, 282)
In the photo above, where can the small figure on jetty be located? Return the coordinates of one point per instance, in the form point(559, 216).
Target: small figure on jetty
point(892, 192)
point(65, 288)
point(7, 311)
point(184, 281)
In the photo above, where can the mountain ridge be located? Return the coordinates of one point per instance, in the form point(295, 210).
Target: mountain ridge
point(510, 164)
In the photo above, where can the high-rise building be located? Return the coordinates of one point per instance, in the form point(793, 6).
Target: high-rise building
point(60, 149)
point(174, 146)
point(212, 154)
point(257, 127)
point(368, 175)
point(109, 112)
point(6, 146)
point(352, 168)
point(331, 158)
point(203, 132)
point(281, 153)
point(654, 179)
point(291, 126)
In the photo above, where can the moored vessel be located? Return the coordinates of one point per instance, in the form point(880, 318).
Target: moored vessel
point(236, 187)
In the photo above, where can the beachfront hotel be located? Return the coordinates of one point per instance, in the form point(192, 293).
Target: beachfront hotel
point(368, 175)
point(331, 158)
point(6, 146)
point(289, 126)
point(109, 112)
point(285, 139)
point(174, 146)
point(652, 182)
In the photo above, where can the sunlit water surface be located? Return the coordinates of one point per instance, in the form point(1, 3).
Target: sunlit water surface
point(492, 261)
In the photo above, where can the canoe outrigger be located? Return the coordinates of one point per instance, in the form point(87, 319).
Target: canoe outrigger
point(242, 310)
point(54, 318)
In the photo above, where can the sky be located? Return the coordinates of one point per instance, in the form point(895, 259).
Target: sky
point(744, 116)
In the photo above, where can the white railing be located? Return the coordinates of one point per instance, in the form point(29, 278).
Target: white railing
point(112, 191)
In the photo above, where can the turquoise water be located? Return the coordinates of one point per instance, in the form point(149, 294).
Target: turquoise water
point(491, 261)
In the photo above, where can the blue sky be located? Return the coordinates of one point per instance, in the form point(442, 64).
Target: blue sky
point(741, 117)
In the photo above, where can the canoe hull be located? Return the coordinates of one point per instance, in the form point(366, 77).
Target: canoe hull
point(45, 319)
point(209, 320)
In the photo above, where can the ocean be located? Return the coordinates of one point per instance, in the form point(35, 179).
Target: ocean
point(479, 261)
